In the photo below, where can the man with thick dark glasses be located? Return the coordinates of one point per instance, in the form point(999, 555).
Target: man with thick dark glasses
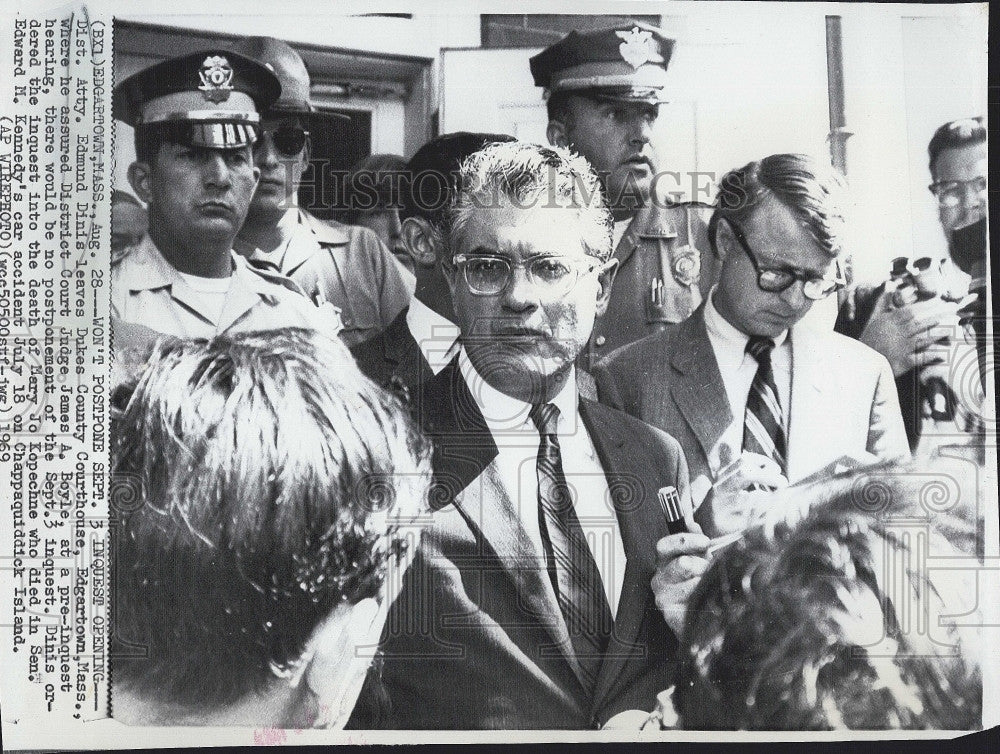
point(756, 399)
point(345, 265)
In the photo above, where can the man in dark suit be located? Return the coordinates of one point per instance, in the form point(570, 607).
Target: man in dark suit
point(756, 399)
point(422, 338)
point(529, 604)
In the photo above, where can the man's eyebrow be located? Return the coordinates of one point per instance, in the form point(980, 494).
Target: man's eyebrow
point(484, 251)
point(788, 267)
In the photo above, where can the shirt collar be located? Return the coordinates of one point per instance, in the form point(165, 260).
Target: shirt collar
point(288, 223)
point(729, 342)
point(504, 413)
point(435, 335)
point(327, 232)
point(150, 270)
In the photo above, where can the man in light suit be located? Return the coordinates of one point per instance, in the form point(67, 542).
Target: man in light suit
point(755, 399)
point(529, 604)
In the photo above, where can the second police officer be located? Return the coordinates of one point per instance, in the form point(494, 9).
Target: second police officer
point(603, 90)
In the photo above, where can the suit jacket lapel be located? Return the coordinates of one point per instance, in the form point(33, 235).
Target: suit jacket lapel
point(407, 362)
point(699, 392)
point(465, 476)
point(640, 525)
point(463, 444)
point(806, 409)
point(493, 518)
point(398, 348)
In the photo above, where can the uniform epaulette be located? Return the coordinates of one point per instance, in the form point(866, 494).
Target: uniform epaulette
point(278, 279)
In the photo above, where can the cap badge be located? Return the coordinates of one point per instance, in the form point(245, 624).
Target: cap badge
point(638, 47)
point(216, 79)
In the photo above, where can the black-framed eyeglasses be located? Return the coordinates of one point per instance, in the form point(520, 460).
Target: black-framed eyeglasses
point(779, 279)
point(951, 193)
point(288, 139)
point(489, 274)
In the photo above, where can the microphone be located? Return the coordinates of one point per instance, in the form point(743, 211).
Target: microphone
point(670, 502)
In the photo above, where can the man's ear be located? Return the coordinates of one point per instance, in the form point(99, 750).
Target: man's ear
point(344, 645)
point(724, 239)
point(139, 176)
point(557, 134)
point(418, 240)
point(606, 279)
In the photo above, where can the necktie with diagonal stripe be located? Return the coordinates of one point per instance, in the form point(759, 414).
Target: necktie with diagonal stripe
point(763, 423)
point(572, 570)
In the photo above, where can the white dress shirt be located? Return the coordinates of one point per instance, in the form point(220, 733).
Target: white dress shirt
point(436, 336)
point(517, 440)
point(738, 368)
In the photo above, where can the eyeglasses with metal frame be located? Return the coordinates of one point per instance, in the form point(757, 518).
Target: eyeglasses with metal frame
point(952, 193)
point(490, 274)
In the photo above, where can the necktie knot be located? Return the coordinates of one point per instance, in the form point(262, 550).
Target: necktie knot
point(546, 418)
point(760, 348)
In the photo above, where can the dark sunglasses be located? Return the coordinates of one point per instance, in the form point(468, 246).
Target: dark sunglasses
point(288, 140)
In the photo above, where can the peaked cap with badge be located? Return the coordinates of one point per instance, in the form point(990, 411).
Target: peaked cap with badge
point(624, 63)
point(665, 264)
point(211, 98)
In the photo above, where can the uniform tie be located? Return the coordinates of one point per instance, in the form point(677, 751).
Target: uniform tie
point(763, 423)
point(572, 570)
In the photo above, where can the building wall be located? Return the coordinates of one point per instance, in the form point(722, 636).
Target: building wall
point(749, 79)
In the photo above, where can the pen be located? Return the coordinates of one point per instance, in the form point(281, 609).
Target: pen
point(670, 502)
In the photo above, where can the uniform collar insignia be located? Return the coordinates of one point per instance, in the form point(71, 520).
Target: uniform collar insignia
point(638, 47)
point(216, 79)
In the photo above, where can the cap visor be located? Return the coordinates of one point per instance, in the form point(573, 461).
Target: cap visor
point(658, 98)
point(318, 115)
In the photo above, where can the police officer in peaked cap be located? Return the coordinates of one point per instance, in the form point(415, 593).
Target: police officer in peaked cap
point(603, 90)
point(196, 118)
